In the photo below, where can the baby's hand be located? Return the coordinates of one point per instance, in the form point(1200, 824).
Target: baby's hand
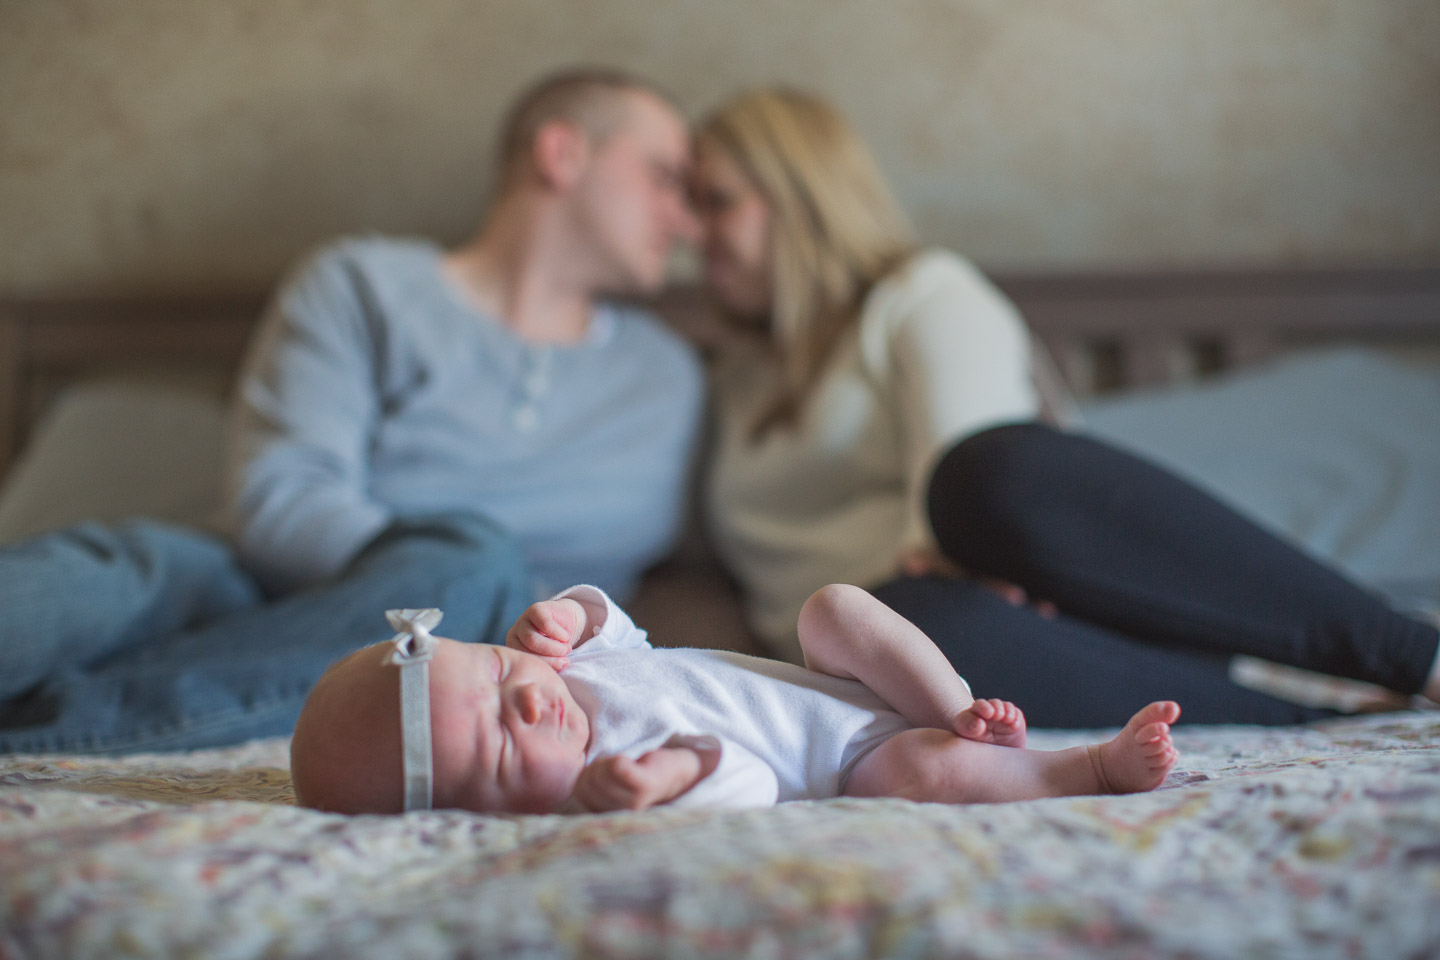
point(549, 629)
point(992, 721)
point(619, 783)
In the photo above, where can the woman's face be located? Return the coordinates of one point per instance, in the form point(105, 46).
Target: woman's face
point(735, 239)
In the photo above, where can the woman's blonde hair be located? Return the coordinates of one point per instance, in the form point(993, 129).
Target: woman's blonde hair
point(835, 227)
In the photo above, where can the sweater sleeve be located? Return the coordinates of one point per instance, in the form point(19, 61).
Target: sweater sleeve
point(297, 472)
point(959, 362)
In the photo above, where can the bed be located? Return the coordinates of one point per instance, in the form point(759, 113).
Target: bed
point(1311, 841)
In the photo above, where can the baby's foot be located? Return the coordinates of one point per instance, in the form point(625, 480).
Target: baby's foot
point(992, 721)
point(1142, 754)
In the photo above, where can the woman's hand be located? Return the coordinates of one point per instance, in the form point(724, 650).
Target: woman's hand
point(1015, 595)
point(924, 562)
point(930, 563)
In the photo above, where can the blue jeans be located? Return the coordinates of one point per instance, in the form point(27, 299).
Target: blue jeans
point(141, 636)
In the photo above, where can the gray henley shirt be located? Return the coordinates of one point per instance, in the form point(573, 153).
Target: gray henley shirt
point(373, 389)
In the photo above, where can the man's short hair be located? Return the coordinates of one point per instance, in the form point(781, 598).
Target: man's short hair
point(592, 98)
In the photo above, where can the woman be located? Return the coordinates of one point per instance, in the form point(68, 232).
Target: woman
point(857, 441)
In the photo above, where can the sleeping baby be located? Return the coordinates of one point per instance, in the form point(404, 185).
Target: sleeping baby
point(579, 713)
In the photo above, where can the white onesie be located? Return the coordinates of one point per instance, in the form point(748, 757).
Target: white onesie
point(783, 732)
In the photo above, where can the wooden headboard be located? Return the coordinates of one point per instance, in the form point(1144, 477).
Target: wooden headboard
point(1124, 330)
point(1105, 331)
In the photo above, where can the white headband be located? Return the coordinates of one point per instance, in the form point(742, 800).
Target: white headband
point(414, 646)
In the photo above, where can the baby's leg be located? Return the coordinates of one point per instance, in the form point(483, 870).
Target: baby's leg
point(934, 766)
point(846, 632)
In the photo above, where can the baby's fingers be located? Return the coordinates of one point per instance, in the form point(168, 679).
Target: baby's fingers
point(524, 637)
point(561, 619)
point(627, 773)
point(547, 628)
point(601, 786)
point(544, 645)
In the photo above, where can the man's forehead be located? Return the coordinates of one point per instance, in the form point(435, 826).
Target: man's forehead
point(653, 120)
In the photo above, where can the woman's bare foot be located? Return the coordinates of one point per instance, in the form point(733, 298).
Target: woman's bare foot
point(1140, 755)
point(992, 721)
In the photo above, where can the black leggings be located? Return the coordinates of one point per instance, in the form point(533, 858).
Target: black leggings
point(1157, 585)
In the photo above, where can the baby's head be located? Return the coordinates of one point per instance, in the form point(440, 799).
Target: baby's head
point(506, 735)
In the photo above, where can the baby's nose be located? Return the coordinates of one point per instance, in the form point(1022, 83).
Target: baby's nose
point(531, 703)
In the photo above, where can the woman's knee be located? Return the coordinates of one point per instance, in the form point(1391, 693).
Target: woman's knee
point(991, 489)
point(988, 467)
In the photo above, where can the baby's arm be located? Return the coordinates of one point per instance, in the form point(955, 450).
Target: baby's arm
point(727, 776)
point(618, 782)
point(846, 632)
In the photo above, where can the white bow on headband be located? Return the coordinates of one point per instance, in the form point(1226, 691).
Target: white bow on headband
point(414, 646)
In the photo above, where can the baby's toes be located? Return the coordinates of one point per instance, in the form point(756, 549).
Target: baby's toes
point(1152, 732)
point(970, 726)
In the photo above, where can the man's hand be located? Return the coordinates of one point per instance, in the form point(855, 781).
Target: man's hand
point(620, 783)
point(549, 629)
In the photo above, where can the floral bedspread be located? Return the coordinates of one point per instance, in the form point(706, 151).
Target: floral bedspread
point(1320, 841)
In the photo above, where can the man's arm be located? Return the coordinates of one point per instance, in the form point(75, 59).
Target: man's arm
point(297, 470)
point(846, 632)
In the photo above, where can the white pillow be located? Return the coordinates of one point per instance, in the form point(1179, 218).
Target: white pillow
point(108, 450)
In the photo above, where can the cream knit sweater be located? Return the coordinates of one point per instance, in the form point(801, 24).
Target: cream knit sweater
point(938, 354)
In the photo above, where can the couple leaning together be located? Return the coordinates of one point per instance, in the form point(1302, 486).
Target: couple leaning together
point(477, 428)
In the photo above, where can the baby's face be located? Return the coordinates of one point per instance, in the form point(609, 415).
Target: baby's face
point(506, 734)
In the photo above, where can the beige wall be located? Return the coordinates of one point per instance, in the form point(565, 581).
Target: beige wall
point(177, 144)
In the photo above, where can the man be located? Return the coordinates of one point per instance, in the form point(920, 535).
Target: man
point(413, 427)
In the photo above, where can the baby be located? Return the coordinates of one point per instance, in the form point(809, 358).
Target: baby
point(577, 712)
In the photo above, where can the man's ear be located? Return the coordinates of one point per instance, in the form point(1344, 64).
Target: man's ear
point(560, 153)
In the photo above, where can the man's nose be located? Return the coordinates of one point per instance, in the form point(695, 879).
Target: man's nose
point(685, 224)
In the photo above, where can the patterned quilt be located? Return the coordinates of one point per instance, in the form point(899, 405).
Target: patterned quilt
point(1318, 841)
